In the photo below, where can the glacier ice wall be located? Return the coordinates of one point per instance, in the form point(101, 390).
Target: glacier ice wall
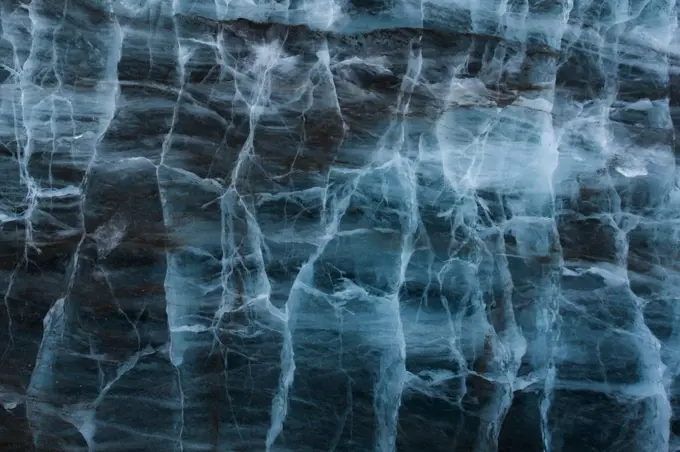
point(339, 225)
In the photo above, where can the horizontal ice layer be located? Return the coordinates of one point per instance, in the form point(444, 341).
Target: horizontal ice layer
point(333, 226)
point(522, 21)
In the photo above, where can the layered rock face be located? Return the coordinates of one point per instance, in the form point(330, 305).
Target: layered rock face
point(339, 225)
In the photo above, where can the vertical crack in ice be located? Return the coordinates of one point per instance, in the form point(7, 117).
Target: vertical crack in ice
point(335, 205)
point(304, 277)
point(10, 27)
point(391, 376)
point(390, 382)
point(324, 60)
point(174, 303)
point(547, 316)
point(83, 153)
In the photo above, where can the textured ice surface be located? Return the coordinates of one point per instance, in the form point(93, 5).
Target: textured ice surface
point(339, 225)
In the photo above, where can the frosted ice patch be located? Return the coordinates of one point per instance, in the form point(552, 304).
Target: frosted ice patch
point(632, 170)
point(324, 57)
point(59, 192)
point(569, 272)
point(4, 218)
point(189, 329)
point(535, 104)
point(10, 399)
point(610, 274)
point(109, 235)
point(641, 105)
point(437, 376)
point(466, 92)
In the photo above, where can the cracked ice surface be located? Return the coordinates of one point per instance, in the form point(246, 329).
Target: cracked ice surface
point(339, 225)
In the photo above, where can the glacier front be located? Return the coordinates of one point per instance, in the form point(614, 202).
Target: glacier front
point(339, 225)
